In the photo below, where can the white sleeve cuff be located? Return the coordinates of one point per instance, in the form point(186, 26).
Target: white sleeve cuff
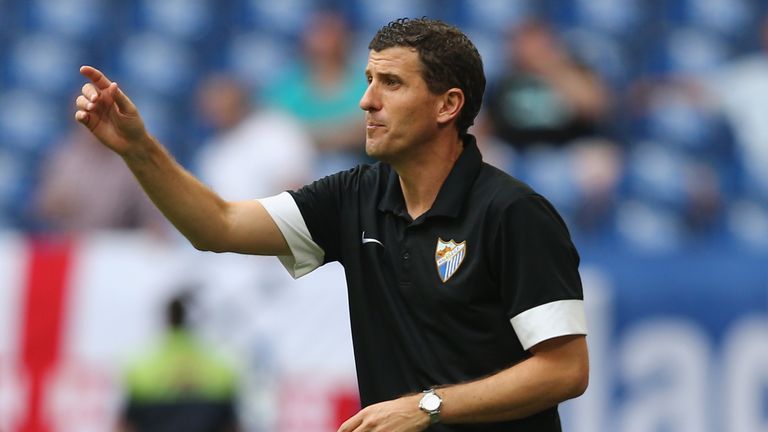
point(550, 320)
point(306, 254)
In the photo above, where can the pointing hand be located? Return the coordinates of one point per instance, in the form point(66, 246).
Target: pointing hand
point(108, 113)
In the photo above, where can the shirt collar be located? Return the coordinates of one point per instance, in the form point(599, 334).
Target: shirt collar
point(453, 193)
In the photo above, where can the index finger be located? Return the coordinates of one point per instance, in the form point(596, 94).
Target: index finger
point(96, 76)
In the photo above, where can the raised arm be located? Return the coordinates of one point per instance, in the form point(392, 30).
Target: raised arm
point(208, 221)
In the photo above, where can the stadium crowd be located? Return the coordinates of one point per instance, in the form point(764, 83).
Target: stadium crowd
point(640, 120)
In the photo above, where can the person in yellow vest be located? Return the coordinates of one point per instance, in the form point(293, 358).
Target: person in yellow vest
point(180, 384)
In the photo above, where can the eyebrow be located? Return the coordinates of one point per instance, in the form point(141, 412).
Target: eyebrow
point(384, 74)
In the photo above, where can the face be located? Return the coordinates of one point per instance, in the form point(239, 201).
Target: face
point(400, 109)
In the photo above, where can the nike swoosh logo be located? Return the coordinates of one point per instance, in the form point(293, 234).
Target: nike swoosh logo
point(370, 240)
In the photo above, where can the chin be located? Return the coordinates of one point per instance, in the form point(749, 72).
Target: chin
point(373, 149)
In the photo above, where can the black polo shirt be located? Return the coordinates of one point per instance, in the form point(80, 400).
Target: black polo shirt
point(457, 294)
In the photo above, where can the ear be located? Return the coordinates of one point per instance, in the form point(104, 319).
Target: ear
point(449, 105)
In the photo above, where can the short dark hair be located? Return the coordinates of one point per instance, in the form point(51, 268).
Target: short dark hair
point(176, 313)
point(448, 57)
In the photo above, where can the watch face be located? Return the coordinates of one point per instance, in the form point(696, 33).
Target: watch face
point(430, 402)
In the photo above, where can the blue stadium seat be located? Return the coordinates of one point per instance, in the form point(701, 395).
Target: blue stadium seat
point(29, 121)
point(160, 117)
point(689, 50)
point(725, 17)
point(257, 58)
point(648, 227)
point(7, 18)
point(655, 173)
point(186, 20)
point(748, 223)
point(285, 17)
point(359, 48)
point(488, 45)
point(495, 16)
point(614, 17)
point(81, 20)
point(3, 55)
point(159, 64)
point(677, 187)
point(46, 63)
point(601, 52)
point(549, 171)
point(673, 116)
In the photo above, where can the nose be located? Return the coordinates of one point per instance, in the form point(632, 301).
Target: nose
point(370, 100)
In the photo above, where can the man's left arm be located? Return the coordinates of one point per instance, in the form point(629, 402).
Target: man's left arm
point(557, 370)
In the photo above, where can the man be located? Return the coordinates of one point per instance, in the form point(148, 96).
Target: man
point(462, 281)
point(544, 96)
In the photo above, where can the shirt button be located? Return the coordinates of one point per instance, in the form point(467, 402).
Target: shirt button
point(406, 256)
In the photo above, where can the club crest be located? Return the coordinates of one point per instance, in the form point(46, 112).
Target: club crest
point(448, 257)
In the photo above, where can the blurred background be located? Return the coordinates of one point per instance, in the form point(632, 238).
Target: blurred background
point(642, 121)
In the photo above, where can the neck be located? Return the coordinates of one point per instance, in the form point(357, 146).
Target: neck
point(423, 174)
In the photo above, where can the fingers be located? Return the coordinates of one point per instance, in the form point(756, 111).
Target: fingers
point(89, 101)
point(88, 104)
point(84, 107)
point(123, 103)
point(103, 103)
point(82, 103)
point(92, 94)
point(82, 117)
point(95, 75)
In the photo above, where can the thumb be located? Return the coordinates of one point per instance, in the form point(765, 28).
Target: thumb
point(123, 102)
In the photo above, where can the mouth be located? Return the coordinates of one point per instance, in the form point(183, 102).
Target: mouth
point(371, 124)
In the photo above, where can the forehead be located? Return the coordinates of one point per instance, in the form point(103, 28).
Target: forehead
point(400, 60)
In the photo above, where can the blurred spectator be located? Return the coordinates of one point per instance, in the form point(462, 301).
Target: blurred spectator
point(180, 385)
point(85, 186)
point(598, 169)
point(323, 90)
point(682, 157)
point(742, 89)
point(544, 96)
point(253, 153)
point(545, 101)
point(583, 180)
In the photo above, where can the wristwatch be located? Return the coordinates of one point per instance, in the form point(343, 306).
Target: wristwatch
point(431, 403)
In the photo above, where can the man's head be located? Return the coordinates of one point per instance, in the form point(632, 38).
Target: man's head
point(222, 101)
point(325, 39)
point(176, 312)
point(448, 60)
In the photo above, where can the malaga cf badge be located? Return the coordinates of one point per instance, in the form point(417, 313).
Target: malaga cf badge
point(448, 257)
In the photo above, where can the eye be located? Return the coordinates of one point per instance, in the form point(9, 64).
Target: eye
point(391, 82)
